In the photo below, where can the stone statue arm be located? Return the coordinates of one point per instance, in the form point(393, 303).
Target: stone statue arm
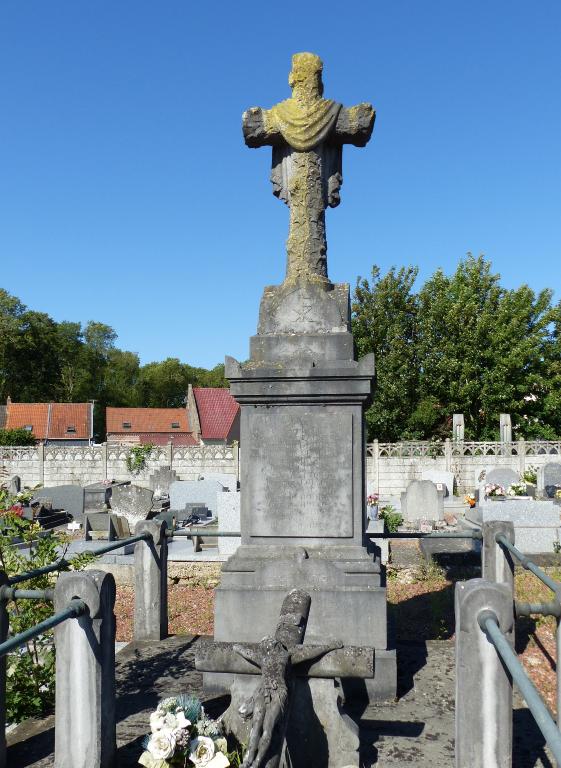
point(257, 129)
point(355, 125)
point(302, 653)
point(249, 652)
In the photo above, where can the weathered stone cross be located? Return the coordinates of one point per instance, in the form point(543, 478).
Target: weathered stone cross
point(307, 133)
point(277, 658)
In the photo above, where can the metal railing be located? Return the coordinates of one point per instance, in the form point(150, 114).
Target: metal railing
point(89, 643)
point(485, 671)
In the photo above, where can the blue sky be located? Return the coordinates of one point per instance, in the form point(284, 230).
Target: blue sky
point(128, 196)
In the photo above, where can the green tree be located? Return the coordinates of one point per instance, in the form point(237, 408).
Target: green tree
point(384, 322)
point(481, 351)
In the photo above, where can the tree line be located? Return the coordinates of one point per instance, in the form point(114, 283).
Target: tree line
point(460, 344)
point(43, 360)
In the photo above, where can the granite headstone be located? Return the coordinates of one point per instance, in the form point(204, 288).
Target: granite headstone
point(67, 497)
point(132, 502)
point(204, 492)
point(551, 478)
point(440, 476)
point(422, 501)
point(161, 479)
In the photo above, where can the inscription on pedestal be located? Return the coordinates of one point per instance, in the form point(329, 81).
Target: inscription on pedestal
point(300, 482)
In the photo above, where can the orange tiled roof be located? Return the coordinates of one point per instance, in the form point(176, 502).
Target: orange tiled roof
point(217, 411)
point(50, 421)
point(146, 420)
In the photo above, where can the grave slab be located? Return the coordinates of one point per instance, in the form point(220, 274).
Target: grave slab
point(67, 497)
point(202, 492)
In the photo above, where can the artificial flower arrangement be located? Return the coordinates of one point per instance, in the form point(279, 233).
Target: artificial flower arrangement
point(469, 498)
point(493, 489)
point(183, 735)
point(372, 500)
point(517, 489)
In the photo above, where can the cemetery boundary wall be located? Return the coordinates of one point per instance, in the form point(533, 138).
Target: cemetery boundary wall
point(390, 467)
point(52, 465)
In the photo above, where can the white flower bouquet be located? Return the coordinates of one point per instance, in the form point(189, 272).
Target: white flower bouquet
point(493, 489)
point(517, 489)
point(183, 735)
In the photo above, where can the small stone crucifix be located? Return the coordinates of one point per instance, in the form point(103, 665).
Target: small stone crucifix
point(307, 133)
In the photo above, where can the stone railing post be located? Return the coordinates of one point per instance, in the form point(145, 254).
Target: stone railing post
point(496, 561)
point(448, 454)
point(41, 455)
point(151, 582)
point(169, 454)
point(104, 475)
point(236, 455)
point(521, 448)
point(85, 673)
point(4, 627)
point(483, 685)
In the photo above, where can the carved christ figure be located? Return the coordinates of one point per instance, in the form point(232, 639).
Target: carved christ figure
point(307, 133)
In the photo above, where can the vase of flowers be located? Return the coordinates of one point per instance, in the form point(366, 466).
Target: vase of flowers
point(372, 506)
point(181, 734)
point(517, 491)
point(495, 492)
point(470, 500)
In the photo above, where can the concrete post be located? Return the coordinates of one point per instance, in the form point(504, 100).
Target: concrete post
point(496, 561)
point(483, 685)
point(104, 461)
point(169, 454)
point(4, 627)
point(521, 448)
point(236, 454)
point(151, 582)
point(448, 454)
point(85, 673)
point(41, 453)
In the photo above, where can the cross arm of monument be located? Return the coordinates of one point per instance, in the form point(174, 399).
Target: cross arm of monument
point(355, 125)
point(257, 130)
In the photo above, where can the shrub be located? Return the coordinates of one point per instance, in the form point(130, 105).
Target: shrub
point(16, 437)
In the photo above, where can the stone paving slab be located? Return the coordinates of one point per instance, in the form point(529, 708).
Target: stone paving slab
point(415, 730)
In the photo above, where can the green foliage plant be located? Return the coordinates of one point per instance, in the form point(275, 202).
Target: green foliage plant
point(530, 475)
point(137, 457)
point(391, 517)
point(30, 669)
point(16, 437)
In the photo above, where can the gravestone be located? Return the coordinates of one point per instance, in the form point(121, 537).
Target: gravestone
point(536, 523)
point(132, 502)
point(67, 497)
point(201, 492)
point(442, 477)
point(302, 396)
point(98, 495)
point(503, 476)
point(228, 520)
point(161, 479)
point(458, 427)
point(505, 428)
point(14, 485)
point(227, 479)
point(549, 479)
point(422, 501)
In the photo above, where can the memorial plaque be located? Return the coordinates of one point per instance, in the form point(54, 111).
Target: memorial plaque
point(301, 479)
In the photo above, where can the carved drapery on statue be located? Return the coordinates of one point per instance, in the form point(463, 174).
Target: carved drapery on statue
point(307, 133)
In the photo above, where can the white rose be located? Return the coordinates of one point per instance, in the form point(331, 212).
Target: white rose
point(162, 744)
point(182, 721)
point(202, 750)
point(156, 722)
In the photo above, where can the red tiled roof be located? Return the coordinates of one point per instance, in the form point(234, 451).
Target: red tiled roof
point(159, 438)
point(146, 420)
point(50, 421)
point(217, 411)
point(64, 415)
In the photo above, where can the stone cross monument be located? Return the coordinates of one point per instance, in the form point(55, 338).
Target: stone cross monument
point(302, 397)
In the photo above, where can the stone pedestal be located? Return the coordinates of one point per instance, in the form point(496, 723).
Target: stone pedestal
point(303, 513)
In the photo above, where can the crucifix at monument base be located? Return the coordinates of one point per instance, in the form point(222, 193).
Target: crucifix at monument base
point(303, 491)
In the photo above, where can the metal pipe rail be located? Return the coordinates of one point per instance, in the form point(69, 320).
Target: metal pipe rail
point(526, 563)
point(474, 535)
point(75, 608)
point(63, 563)
point(489, 623)
point(11, 593)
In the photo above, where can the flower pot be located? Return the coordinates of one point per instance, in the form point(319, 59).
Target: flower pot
point(373, 512)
